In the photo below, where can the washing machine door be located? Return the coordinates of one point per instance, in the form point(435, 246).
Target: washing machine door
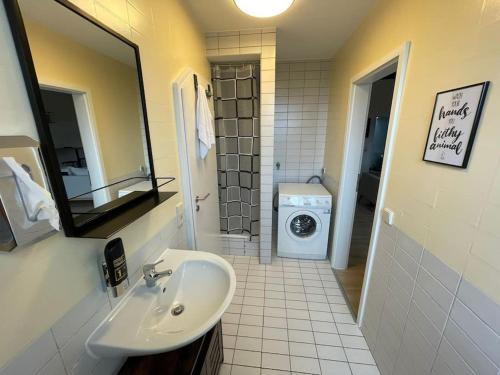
point(303, 225)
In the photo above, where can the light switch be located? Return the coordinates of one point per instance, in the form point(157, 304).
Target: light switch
point(388, 216)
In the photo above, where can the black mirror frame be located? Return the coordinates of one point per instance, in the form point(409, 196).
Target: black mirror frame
point(47, 148)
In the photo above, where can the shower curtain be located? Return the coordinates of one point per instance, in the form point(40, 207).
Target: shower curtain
point(237, 131)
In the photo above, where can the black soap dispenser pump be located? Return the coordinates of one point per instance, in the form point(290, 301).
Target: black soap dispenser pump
point(115, 267)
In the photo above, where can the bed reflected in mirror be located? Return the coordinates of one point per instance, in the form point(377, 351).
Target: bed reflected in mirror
point(91, 94)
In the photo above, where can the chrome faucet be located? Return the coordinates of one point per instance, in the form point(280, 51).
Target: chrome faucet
point(150, 274)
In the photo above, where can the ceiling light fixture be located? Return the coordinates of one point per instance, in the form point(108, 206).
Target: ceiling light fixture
point(263, 8)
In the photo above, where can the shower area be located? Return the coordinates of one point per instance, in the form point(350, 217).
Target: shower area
point(237, 131)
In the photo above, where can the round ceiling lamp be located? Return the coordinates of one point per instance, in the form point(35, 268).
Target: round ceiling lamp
point(263, 8)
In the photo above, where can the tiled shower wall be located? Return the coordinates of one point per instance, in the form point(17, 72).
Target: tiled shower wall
point(240, 245)
point(256, 44)
point(302, 92)
point(424, 318)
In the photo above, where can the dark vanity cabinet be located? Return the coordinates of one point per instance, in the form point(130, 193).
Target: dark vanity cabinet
point(202, 357)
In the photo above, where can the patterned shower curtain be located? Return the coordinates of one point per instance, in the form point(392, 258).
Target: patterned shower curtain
point(237, 131)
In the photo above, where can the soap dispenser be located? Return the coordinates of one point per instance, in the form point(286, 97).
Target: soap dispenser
point(115, 267)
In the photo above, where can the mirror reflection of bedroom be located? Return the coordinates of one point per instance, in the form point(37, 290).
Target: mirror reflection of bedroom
point(71, 154)
point(94, 109)
point(351, 279)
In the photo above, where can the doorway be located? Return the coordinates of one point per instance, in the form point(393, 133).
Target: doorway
point(355, 135)
point(75, 141)
point(198, 173)
point(351, 279)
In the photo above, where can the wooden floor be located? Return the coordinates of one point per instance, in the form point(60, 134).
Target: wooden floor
point(351, 279)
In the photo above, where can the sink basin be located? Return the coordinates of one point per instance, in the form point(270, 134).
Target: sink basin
point(177, 311)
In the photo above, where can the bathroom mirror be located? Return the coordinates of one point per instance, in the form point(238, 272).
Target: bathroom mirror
point(85, 86)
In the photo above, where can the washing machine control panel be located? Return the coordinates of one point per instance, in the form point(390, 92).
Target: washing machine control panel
point(304, 201)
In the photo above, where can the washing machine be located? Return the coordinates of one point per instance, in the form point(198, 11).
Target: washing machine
point(303, 220)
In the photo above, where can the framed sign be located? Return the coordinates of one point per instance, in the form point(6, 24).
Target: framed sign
point(454, 123)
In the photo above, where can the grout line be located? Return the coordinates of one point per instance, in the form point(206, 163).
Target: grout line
point(310, 268)
point(448, 317)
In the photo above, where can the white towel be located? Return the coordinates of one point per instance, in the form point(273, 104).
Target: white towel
point(38, 201)
point(204, 123)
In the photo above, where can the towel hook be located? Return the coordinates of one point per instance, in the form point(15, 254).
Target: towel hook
point(208, 91)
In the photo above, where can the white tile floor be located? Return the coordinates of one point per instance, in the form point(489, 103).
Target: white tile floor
point(290, 318)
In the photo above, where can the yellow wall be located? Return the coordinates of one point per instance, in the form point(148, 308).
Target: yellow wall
point(40, 283)
point(454, 213)
point(112, 88)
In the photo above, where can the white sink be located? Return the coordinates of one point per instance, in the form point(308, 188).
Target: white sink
point(144, 323)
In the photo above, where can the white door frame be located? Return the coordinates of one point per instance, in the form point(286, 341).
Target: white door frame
point(359, 102)
point(189, 213)
point(90, 138)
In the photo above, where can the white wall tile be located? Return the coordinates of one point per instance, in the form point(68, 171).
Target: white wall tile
point(482, 335)
point(267, 75)
point(267, 87)
point(74, 349)
point(229, 51)
point(268, 99)
point(229, 41)
point(212, 43)
point(250, 40)
point(486, 309)
point(463, 345)
point(33, 358)
point(55, 366)
point(227, 33)
point(297, 111)
point(268, 51)
point(440, 271)
point(86, 5)
point(269, 39)
point(451, 360)
point(212, 52)
point(117, 7)
point(250, 50)
point(268, 63)
point(110, 19)
point(141, 23)
point(70, 323)
point(467, 344)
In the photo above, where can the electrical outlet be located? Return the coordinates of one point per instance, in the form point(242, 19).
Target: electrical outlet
point(179, 214)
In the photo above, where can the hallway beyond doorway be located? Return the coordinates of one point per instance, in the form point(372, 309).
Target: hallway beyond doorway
point(351, 279)
point(373, 141)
